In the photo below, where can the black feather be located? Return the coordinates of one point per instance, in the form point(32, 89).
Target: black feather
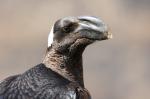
point(39, 82)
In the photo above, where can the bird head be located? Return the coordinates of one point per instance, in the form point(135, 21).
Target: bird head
point(71, 34)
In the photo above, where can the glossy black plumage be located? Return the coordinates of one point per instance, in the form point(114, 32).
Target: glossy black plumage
point(40, 83)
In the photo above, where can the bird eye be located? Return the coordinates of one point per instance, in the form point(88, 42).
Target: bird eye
point(66, 29)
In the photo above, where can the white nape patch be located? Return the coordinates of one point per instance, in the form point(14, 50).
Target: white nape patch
point(51, 36)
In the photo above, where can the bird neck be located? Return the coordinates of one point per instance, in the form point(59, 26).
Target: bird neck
point(66, 65)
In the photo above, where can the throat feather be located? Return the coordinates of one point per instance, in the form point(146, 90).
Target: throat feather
point(65, 66)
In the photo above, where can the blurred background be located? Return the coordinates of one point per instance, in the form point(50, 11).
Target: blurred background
point(113, 69)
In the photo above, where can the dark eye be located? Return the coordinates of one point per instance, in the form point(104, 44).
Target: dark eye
point(68, 28)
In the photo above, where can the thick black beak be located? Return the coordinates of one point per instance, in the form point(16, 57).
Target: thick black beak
point(93, 28)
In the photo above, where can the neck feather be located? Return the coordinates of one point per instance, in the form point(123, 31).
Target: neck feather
point(66, 65)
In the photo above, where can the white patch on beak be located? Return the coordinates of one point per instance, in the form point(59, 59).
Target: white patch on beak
point(110, 35)
point(50, 37)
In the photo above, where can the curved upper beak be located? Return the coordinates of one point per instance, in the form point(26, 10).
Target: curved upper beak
point(98, 30)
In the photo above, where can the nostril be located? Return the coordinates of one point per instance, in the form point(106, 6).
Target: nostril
point(83, 19)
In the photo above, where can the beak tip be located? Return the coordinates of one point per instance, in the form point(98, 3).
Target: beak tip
point(109, 36)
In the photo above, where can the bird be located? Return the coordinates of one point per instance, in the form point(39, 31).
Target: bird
point(60, 74)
